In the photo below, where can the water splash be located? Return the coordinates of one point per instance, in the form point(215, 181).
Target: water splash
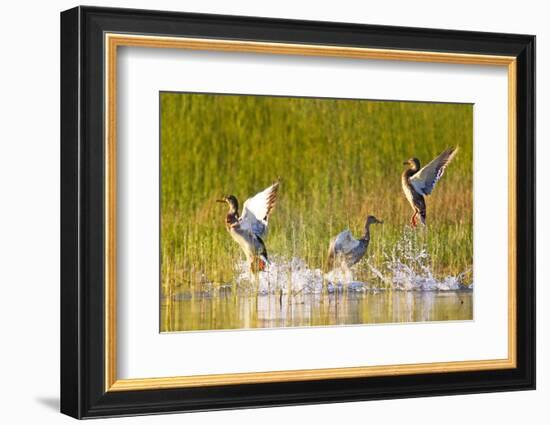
point(287, 276)
point(406, 268)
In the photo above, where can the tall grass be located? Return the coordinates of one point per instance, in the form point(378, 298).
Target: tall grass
point(339, 161)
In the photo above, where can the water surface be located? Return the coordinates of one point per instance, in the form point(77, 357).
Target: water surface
point(243, 311)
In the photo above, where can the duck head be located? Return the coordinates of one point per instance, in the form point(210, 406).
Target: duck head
point(372, 220)
point(231, 201)
point(413, 163)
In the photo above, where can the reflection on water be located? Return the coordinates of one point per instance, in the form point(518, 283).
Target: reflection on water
point(229, 311)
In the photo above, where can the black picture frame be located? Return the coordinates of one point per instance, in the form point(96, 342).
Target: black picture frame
point(83, 392)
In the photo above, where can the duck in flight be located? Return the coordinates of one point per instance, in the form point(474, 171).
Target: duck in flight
point(249, 229)
point(418, 182)
point(345, 250)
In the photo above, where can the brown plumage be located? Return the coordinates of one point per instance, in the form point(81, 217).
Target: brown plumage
point(271, 199)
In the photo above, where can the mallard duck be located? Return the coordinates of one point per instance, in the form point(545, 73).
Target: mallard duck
point(249, 229)
point(345, 250)
point(418, 182)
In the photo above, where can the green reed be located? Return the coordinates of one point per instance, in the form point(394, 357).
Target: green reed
point(339, 161)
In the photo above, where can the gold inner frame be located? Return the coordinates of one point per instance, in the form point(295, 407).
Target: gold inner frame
point(113, 41)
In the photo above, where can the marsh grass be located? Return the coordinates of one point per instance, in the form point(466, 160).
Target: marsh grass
point(339, 161)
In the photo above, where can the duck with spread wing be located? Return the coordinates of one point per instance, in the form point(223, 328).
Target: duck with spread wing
point(249, 229)
point(345, 250)
point(418, 182)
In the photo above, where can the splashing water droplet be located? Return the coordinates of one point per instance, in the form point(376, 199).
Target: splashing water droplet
point(406, 267)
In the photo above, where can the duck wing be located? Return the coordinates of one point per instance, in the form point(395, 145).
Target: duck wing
point(344, 243)
point(256, 210)
point(425, 179)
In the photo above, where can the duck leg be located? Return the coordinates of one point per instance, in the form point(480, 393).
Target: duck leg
point(413, 219)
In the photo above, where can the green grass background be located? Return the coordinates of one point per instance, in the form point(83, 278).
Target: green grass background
point(339, 161)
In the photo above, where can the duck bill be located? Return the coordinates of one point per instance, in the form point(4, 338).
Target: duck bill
point(220, 200)
point(405, 162)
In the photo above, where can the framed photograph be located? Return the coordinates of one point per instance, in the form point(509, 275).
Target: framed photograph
point(261, 212)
